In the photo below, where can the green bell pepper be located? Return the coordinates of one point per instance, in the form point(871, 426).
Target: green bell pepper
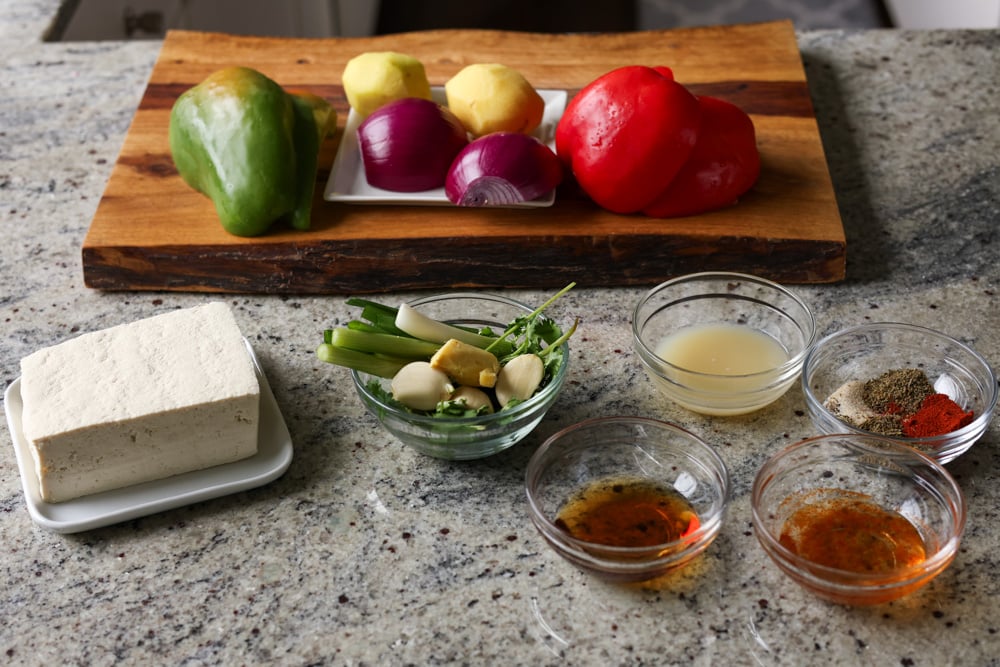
point(251, 147)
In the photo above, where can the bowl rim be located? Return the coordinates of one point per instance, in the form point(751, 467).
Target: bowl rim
point(500, 416)
point(708, 528)
point(935, 442)
point(793, 363)
point(845, 579)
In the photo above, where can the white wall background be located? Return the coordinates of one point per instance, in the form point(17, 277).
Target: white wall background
point(944, 13)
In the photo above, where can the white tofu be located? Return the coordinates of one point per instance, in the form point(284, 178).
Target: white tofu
point(141, 401)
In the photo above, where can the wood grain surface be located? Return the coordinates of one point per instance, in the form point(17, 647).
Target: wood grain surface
point(152, 232)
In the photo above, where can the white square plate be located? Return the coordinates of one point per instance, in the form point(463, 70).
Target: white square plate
point(274, 454)
point(348, 183)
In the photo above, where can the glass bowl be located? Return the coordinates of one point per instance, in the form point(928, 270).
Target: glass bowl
point(866, 351)
point(465, 438)
point(722, 343)
point(607, 472)
point(836, 480)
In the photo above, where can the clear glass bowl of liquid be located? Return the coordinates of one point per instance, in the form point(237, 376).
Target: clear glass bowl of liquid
point(722, 343)
point(625, 498)
point(857, 519)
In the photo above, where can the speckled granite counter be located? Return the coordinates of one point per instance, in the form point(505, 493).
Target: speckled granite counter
point(366, 553)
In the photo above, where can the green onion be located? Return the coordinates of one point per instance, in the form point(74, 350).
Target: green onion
point(382, 343)
point(379, 365)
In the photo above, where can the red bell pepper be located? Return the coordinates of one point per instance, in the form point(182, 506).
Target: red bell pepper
point(723, 165)
point(636, 140)
point(627, 134)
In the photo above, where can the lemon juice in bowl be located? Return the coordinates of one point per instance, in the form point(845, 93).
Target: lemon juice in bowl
point(722, 343)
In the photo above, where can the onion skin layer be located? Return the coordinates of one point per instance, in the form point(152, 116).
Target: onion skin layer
point(502, 169)
point(408, 145)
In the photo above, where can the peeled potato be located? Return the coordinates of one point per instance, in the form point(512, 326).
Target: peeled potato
point(375, 78)
point(489, 97)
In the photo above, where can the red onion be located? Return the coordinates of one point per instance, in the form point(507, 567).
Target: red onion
point(409, 144)
point(501, 169)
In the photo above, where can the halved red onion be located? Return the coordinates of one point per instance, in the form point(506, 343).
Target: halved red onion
point(409, 144)
point(501, 169)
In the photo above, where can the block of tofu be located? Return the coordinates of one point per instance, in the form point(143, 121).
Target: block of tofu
point(141, 401)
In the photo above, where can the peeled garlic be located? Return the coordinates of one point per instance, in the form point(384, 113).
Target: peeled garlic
point(519, 378)
point(420, 387)
point(474, 398)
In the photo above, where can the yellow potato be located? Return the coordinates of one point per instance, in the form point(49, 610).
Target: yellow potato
point(375, 78)
point(489, 97)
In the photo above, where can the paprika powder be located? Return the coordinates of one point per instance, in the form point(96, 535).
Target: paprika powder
point(938, 414)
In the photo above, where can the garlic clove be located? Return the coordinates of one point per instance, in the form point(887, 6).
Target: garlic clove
point(420, 387)
point(474, 398)
point(519, 378)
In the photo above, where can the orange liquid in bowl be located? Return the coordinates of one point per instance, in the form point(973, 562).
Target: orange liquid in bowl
point(623, 513)
point(850, 532)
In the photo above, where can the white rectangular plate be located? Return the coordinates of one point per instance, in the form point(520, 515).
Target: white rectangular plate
point(274, 454)
point(348, 184)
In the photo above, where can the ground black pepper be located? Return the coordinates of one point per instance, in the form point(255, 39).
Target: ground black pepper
point(897, 392)
point(883, 424)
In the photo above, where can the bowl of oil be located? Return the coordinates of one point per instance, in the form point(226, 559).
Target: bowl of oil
point(857, 519)
point(627, 498)
point(722, 343)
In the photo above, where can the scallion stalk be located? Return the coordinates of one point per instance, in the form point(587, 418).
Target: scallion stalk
point(379, 365)
point(380, 343)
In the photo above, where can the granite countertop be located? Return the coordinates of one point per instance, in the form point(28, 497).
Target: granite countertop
point(366, 553)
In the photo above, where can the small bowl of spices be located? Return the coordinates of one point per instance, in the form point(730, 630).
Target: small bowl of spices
point(901, 381)
point(627, 498)
point(857, 519)
point(722, 343)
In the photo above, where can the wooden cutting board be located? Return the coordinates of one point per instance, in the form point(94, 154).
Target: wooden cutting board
point(151, 232)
